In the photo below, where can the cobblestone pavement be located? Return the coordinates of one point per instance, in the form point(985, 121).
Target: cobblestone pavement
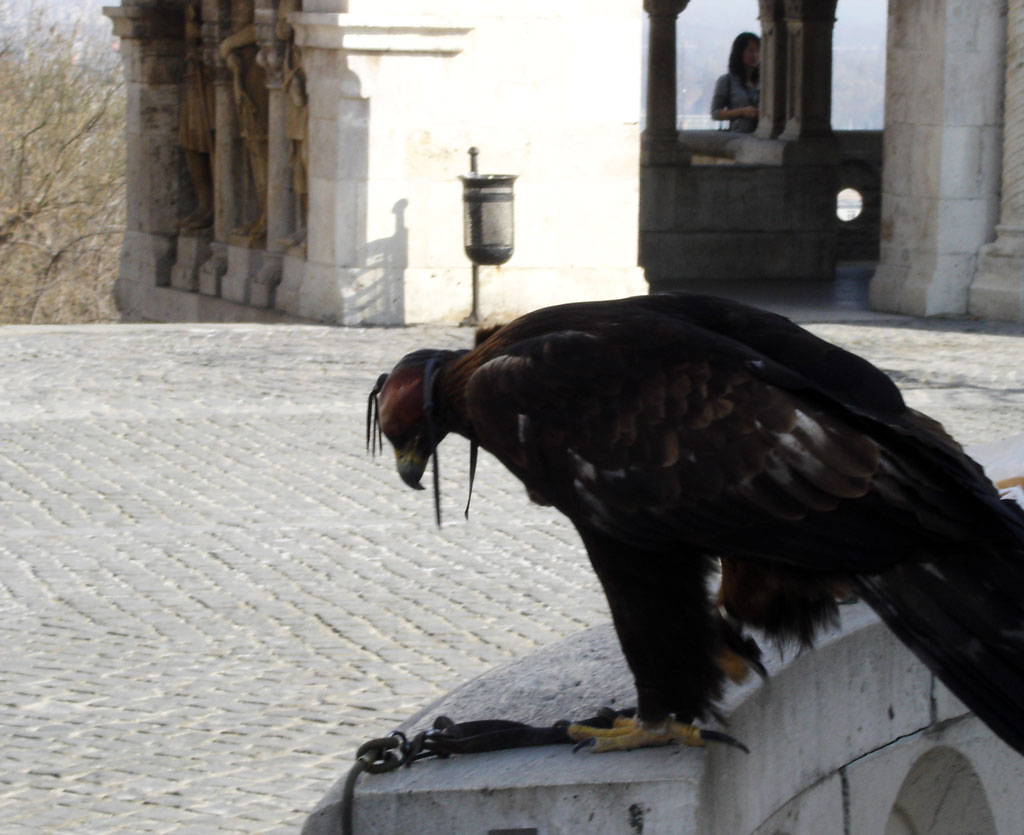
point(210, 594)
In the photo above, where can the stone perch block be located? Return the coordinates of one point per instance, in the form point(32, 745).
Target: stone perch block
point(842, 738)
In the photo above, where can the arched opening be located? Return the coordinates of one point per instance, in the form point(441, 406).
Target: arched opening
point(941, 795)
point(849, 204)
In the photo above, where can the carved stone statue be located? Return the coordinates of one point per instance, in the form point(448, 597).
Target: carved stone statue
point(239, 52)
point(195, 123)
point(296, 119)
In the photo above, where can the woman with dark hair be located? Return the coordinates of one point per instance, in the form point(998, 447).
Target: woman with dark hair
point(738, 92)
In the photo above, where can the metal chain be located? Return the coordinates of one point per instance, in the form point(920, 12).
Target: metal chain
point(376, 756)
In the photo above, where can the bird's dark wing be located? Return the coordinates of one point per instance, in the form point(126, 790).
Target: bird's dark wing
point(659, 432)
point(843, 375)
point(667, 428)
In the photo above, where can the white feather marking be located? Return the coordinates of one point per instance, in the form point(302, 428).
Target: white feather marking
point(811, 435)
point(810, 427)
point(588, 473)
point(524, 425)
point(778, 471)
point(584, 469)
point(595, 507)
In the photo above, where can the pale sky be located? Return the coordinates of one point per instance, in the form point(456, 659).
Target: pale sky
point(850, 14)
point(858, 22)
point(742, 15)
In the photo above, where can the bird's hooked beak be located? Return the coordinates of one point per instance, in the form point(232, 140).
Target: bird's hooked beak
point(411, 461)
point(415, 441)
point(411, 456)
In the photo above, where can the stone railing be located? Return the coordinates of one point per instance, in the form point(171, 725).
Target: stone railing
point(854, 736)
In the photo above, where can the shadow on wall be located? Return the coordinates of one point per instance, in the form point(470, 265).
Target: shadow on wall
point(941, 794)
point(378, 283)
point(348, 278)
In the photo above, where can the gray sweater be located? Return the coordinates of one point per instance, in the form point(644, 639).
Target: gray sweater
point(730, 93)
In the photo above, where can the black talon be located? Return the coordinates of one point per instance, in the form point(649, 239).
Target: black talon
point(718, 736)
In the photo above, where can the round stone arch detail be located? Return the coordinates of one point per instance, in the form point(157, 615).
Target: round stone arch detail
point(941, 795)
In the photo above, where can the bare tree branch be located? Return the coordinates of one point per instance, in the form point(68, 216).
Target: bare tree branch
point(61, 177)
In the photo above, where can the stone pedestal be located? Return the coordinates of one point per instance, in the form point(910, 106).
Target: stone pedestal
point(854, 723)
point(212, 272)
point(997, 291)
point(244, 263)
point(293, 270)
point(193, 252)
point(263, 287)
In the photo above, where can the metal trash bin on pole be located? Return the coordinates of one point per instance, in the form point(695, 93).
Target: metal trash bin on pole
point(488, 228)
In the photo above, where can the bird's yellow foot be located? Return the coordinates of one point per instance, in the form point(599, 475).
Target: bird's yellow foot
point(627, 733)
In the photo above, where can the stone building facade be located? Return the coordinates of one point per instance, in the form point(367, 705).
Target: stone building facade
point(945, 208)
point(337, 131)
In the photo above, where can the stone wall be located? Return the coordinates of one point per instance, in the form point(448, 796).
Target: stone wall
point(395, 99)
point(734, 222)
point(732, 207)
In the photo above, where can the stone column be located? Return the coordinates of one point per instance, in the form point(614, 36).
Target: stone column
point(250, 102)
point(808, 68)
point(997, 291)
point(196, 138)
point(279, 196)
point(774, 61)
point(152, 50)
point(228, 169)
point(660, 128)
point(942, 152)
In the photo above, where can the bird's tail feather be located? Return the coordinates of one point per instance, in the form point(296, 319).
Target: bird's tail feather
point(965, 619)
